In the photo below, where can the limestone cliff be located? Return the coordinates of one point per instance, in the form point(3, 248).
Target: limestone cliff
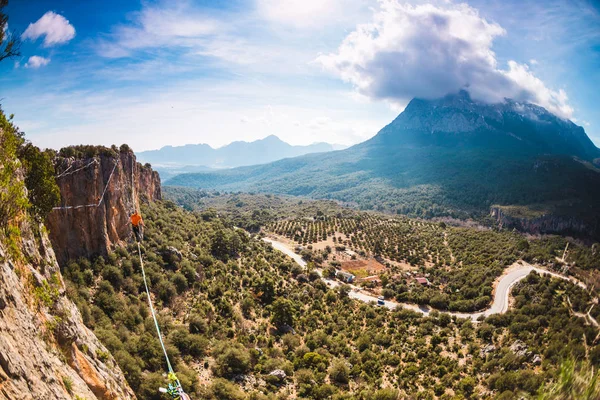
point(542, 222)
point(46, 352)
point(98, 194)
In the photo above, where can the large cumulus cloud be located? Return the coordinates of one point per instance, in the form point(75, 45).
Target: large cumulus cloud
point(428, 51)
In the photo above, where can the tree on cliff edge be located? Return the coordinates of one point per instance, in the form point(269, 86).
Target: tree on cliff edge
point(10, 44)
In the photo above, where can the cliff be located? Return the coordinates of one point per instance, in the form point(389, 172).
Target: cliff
point(538, 222)
point(98, 194)
point(46, 352)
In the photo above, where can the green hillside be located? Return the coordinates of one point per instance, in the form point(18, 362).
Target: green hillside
point(234, 310)
point(450, 157)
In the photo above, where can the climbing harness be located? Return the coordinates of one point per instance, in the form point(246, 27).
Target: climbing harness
point(174, 390)
point(103, 193)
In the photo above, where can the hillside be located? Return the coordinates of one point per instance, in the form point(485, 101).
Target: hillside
point(46, 351)
point(447, 157)
point(242, 321)
point(235, 154)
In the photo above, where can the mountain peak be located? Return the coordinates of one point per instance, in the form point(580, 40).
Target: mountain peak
point(457, 119)
point(234, 154)
point(272, 138)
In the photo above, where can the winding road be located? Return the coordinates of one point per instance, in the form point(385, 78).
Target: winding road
point(500, 304)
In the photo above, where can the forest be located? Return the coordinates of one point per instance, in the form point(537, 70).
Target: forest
point(463, 259)
point(242, 321)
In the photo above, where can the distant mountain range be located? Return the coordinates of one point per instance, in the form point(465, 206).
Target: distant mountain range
point(201, 157)
point(447, 157)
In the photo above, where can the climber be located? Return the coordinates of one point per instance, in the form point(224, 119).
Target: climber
point(137, 224)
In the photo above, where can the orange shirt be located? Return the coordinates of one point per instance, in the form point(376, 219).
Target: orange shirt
point(136, 219)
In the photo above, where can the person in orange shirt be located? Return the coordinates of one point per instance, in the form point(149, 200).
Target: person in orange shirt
point(137, 225)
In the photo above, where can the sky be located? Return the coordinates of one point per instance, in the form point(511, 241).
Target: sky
point(173, 72)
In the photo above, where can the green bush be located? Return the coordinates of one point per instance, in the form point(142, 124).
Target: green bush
point(231, 358)
point(12, 191)
point(40, 181)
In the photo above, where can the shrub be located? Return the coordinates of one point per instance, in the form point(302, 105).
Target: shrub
point(339, 372)
point(12, 191)
point(68, 382)
point(224, 390)
point(42, 189)
point(231, 358)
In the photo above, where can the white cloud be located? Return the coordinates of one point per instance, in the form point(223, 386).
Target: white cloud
point(428, 51)
point(157, 26)
point(55, 28)
point(37, 62)
point(207, 111)
point(312, 15)
point(306, 13)
point(199, 37)
point(536, 91)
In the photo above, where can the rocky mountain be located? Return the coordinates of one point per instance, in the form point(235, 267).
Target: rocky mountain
point(235, 154)
point(46, 351)
point(446, 157)
point(98, 194)
point(457, 120)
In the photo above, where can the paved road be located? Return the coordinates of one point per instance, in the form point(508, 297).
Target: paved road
point(500, 303)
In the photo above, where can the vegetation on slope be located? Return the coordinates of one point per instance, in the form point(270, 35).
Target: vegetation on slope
point(234, 311)
point(496, 157)
point(461, 263)
point(36, 193)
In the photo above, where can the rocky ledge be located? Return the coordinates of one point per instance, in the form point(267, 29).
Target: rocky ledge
point(98, 194)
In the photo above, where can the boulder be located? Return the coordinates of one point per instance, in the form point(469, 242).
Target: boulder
point(279, 374)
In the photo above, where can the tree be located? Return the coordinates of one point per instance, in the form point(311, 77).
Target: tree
point(225, 390)
point(231, 358)
point(467, 385)
point(10, 43)
point(283, 312)
point(12, 190)
point(339, 372)
point(265, 289)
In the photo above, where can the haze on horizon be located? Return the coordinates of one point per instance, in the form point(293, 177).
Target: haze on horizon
point(156, 73)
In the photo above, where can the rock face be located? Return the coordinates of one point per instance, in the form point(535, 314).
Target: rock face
point(46, 352)
point(457, 118)
point(98, 194)
point(546, 223)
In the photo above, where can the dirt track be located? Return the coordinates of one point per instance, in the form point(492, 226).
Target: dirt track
point(500, 304)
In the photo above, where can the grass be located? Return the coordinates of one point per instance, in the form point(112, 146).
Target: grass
point(68, 382)
point(575, 381)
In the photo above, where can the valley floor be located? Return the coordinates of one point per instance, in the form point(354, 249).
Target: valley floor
point(512, 275)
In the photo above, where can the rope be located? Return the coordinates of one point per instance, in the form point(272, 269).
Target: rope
point(162, 344)
point(152, 310)
point(103, 193)
point(172, 376)
point(133, 205)
point(64, 173)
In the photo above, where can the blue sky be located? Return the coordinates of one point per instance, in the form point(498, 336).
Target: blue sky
point(152, 73)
